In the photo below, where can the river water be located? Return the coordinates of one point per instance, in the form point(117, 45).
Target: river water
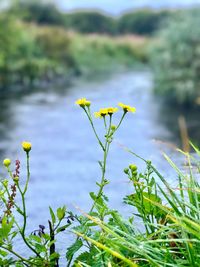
point(64, 152)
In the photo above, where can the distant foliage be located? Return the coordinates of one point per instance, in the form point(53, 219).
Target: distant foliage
point(32, 53)
point(91, 22)
point(17, 48)
point(37, 11)
point(176, 59)
point(54, 43)
point(142, 22)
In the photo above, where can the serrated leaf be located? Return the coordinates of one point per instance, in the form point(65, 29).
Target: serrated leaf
point(35, 238)
point(54, 256)
point(146, 207)
point(3, 253)
point(74, 248)
point(40, 248)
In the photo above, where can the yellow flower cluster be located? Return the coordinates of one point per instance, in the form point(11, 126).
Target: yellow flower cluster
point(127, 108)
point(105, 111)
point(83, 102)
point(26, 146)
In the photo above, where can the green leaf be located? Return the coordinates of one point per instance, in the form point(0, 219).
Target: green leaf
point(54, 256)
point(40, 248)
point(20, 211)
point(61, 213)
point(35, 238)
point(6, 227)
point(53, 217)
point(62, 228)
point(143, 205)
point(3, 253)
point(74, 248)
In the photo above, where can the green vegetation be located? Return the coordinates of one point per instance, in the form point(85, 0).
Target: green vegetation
point(95, 53)
point(30, 53)
point(169, 223)
point(176, 59)
point(86, 42)
point(142, 21)
point(91, 22)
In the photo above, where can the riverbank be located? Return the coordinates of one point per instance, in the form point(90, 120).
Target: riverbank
point(37, 58)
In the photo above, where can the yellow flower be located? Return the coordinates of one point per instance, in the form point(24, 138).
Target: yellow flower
point(82, 102)
point(7, 162)
point(101, 113)
point(26, 146)
point(127, 108)
point(105, 111)
point(112, 110)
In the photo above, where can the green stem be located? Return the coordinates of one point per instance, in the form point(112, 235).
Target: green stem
point(22, 232)
point(93, 128)
point(105, 151)
point(105, 124)
point(22, 193)
point(16, 254)
point(121, 120)
point(28, 172)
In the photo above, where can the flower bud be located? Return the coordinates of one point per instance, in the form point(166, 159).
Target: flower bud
point(16, 179)
point(133, 167)
point(126, 170)
point(6, 162)
point(5, 182)
point(113, 127)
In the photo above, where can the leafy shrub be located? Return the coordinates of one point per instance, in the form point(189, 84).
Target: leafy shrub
point(142, 22)
point(91, 22)
point(15, 44)
point(37, 11)
point(97, 53)
point(55, 49)
point(176, 58)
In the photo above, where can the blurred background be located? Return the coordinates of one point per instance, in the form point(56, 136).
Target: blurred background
point(143, 53)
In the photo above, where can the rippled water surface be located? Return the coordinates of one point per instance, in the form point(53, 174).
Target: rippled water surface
point(64, 156)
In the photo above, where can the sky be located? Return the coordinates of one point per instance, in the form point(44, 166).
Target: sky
point(116, 7)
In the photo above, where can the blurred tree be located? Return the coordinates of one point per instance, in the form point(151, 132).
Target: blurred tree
point(91, 22)
point(54, 43)
point(42, 12)
point(144, 21)
point(16, 45)
point(176, 58)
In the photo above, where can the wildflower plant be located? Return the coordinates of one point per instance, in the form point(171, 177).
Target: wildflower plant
point(40, 243)
point(168, 234)
point(99, 207)
point(109, 131)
